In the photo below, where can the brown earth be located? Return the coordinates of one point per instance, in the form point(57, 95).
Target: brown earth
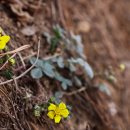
point(104, 26)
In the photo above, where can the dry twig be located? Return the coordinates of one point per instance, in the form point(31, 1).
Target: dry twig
point(21, 58)
point(75, 92)
point(16, 50)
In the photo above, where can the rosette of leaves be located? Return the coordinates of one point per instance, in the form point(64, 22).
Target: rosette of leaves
point(56, 99)
point(73, 43)
point(73, 55)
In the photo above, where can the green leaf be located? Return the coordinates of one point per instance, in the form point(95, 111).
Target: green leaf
point(48, 69)
point(105, 89)
point(60, 62)
point(69, 107)
point(84, 64)
point(77, 61)
point(79, 45)
point(57, 100)
point(72, 67)
point(62, 79)
point(58, 94)
point(68, 82)
point(64, 85)
point(36, 73)
point(58, 31)
point(8, 74)
point(77, 81)
point(58, 77)
point(88, 70)
point(39, 62)
point(54, 100)
point(54, 44)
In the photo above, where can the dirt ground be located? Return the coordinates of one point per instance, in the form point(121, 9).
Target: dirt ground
point(104, 26)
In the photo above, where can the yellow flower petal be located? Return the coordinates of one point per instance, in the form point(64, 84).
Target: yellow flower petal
point(52, 107)
point(3, 41)
point(5, 38)
point(64, 113)
point(57, 118)
point(62, 106)
point(51, 114)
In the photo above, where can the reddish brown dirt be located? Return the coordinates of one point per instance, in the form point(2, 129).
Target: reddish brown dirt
point(106, 42)
point(104, 26)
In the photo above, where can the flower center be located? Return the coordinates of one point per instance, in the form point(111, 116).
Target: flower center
point(57, 111)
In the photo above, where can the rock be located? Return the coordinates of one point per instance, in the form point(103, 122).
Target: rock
point(84, 26)
point(29, 30)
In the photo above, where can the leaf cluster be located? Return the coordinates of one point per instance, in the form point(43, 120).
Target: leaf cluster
point(71, 59)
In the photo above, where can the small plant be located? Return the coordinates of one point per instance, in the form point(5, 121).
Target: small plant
point(69, 61)
point(55, 110)
point(38, 109)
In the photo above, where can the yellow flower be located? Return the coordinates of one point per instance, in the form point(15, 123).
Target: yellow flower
point(3, 41)
point(56, 112)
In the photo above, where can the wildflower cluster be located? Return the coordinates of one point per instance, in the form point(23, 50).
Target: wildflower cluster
point(56, 112)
